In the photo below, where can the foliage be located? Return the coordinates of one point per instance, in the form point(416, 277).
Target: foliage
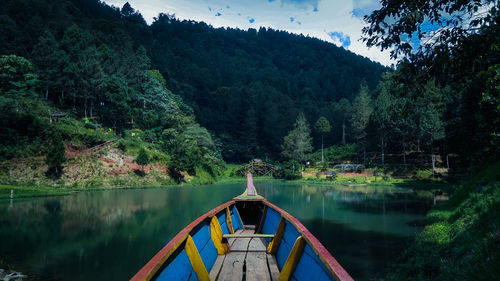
point(463, 232)
point(337, 153)
point(143, 158)
point(322, 125)
point(102, 75)
point(298, 142)
point(248, 86)
point(393, 26)
point(343, 108)
point(55, 156)
point(17, 77)
point(450, 51)
point(362, 110)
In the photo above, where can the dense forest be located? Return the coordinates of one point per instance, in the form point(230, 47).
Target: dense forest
point(245, 87)
point(83, 57)
point(248, 88)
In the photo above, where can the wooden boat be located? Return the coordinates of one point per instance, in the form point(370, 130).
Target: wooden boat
point(247, 238)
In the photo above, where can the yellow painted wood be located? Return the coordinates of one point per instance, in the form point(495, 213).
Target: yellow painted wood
point(293, 259)
point(216, 235)
point(273, 246)
point(229, 222)
point(195, 259)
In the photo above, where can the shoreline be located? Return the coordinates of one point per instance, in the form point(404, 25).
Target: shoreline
point(419, 186)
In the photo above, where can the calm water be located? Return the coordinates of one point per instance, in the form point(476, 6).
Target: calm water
point(109, 235)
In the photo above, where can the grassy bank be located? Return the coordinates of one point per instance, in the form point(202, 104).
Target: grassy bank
point(462, 240)
point(108, 169)
point(24, 191)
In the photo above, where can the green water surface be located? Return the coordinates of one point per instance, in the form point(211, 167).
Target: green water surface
point(109, 235)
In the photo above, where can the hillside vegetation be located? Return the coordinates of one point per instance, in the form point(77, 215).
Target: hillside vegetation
point(61, 60)
point(245, 87)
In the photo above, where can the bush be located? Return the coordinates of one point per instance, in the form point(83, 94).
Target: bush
point(121, 146)
point(331, 177)
point(90, 126)
point(291, 175)
point(55, 156)
point(336, 153)
point(143, 158)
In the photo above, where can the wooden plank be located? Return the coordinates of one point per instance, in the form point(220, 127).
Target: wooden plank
point(273, 267)
point(293, 259)
point(195, 259)
point(214, 272)
point(248, 235)
point(232, 268)
point(256, 261)
point(229, 223)
point(261, 224)
point(216, 268)
point(216, 235)
point(231, 241)
point(273, 246)
point(241, 244)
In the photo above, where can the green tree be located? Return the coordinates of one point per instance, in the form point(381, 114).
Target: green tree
point(431, 125)
point(322, 126)
point(17, 77)
point(55, 156)
point(394, 25)
point(454, 43)
point(298, 142)
point(92, 78)
point(344, 108)
point(362, 110)
point(47, 56)
point(143, 158)
point(382, 113)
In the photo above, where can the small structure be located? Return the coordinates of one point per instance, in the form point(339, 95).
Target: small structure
point(56, 115)
point(259, 168)
point(352, 168)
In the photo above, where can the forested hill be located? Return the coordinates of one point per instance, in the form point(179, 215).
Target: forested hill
point(246, 87)
point(92, 63)
point(249, 86)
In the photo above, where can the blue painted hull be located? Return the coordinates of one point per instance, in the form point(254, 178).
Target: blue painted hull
point(173, 263)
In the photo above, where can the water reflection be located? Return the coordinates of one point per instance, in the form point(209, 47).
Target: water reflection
point(109, 235)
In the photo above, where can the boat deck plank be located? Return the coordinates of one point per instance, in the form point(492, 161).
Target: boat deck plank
point(273, 267)
point(256, 261)
point(248, 256)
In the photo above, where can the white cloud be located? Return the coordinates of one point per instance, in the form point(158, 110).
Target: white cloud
point(316, 18)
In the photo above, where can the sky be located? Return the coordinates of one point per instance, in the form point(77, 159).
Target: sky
point(336, 21)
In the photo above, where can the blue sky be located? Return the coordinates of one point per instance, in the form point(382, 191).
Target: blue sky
point(336, 21)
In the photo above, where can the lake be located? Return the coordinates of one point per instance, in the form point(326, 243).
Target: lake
point(111, 234)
